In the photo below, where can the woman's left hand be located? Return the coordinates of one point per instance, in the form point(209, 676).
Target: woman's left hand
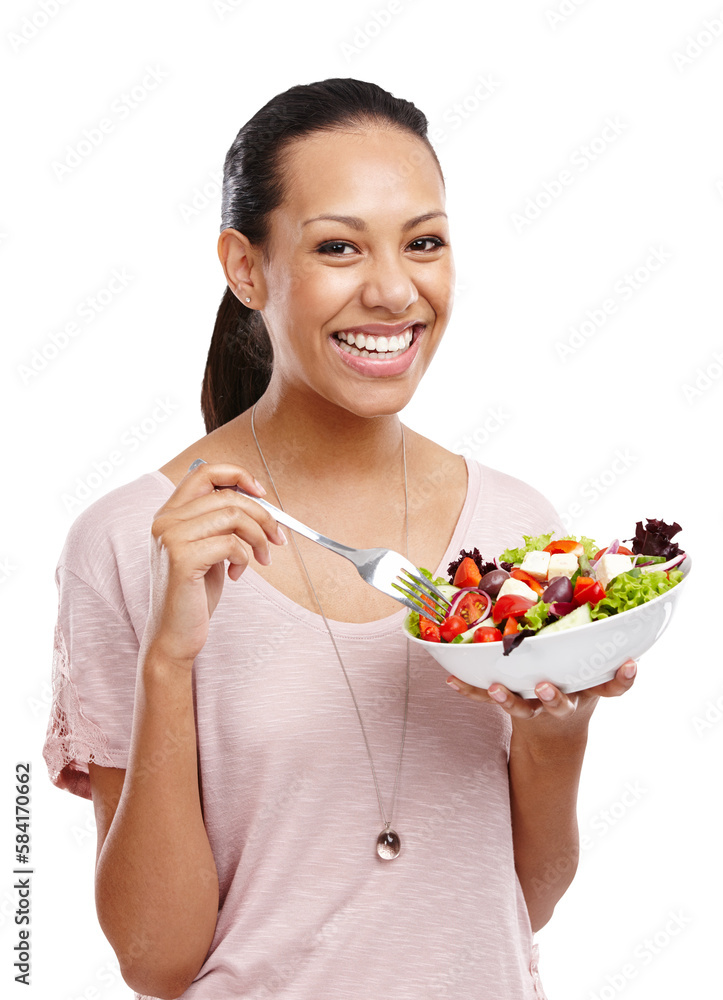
point(550, 703)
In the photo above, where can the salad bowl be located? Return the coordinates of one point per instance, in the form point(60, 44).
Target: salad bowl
point(572, 659)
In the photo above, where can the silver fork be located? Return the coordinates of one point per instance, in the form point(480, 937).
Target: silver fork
point(382, 569)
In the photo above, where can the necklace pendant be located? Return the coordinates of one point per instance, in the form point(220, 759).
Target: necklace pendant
point(388, 844)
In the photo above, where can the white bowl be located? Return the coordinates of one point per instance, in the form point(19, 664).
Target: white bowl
point(572, 660)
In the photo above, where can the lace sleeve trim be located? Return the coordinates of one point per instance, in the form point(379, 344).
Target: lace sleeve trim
point(72, 740)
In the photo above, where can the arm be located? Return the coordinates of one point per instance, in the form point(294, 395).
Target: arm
point(547, 747)
point(156, 881)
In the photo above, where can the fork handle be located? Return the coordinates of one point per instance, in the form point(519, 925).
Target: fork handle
point(343, 550)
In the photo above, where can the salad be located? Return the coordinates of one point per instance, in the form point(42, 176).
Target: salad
point(548, 585)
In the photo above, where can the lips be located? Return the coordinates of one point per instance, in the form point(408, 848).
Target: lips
point(384, 349)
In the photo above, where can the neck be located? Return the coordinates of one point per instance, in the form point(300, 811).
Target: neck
point(316, 439)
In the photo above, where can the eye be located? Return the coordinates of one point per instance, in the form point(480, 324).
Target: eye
point(418, 245)
point(336, 248)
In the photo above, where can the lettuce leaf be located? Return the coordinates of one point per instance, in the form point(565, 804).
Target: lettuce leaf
point(536, 617)
point(533, 543)
point(628, 591)
point(413, 624)
point(436, 580)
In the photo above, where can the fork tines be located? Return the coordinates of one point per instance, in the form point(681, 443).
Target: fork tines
point(431, 600)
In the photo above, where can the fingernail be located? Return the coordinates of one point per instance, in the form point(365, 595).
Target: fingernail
point(453, 684)
point(259, 487)
point(545, 692)
point(195, 465)
point(630, 670)
point(281, 535)
point(498, 694)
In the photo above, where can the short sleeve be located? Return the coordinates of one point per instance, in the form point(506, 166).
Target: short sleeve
point(95, 654)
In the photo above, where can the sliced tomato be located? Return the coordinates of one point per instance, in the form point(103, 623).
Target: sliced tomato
point(472, 606)
point(529, 579)
point(511, 605)
point(485, 633)
point(565, 545)
point(428, 630)
point(621, 551)
point(511, 627)
point(587, 590)
point(452, 627)
point(467, 575)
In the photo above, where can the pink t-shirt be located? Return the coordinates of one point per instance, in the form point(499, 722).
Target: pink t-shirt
point(307, 909)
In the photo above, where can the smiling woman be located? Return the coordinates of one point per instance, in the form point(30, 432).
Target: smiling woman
point(244, 744)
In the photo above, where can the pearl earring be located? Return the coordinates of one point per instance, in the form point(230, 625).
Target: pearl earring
point(248, 299)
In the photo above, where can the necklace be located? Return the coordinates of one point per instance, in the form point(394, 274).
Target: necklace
point(388, 844)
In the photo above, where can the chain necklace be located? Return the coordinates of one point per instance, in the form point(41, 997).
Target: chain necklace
point(388, 843)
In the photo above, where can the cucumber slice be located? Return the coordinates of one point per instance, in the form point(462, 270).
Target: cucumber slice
point(580, 616)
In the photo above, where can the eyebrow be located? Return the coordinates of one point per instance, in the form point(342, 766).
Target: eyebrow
point(354, 222)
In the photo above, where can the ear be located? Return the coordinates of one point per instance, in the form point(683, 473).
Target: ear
point(241, 263)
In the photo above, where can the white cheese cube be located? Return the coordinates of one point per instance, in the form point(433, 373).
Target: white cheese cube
point(610, 566)
point(518, 587)
point(562, 564)
point(536, 564)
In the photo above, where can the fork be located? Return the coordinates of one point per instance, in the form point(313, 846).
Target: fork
point(382, 569)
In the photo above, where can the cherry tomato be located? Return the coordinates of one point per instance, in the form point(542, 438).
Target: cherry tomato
point(452, 626)
point(511, 627)
point(472, 606)
point(428, 630)
point(565, 545)
point(467, 575)
point(622, 551)
point(528, 578)
point(485, 633)
point(511, 605)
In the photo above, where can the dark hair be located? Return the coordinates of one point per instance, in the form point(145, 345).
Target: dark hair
point(240, 358)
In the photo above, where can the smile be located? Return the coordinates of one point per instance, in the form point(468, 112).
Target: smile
point(384, 348)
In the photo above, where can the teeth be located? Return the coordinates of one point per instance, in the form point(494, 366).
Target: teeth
point(363, 345)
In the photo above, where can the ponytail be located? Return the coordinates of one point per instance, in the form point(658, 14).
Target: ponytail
point(239, 363)
point(240, 358)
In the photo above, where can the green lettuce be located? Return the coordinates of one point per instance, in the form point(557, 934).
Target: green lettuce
point(413, 624)
point(629, 590)
point(533, 543)
point(436, 580)
point(536, 617)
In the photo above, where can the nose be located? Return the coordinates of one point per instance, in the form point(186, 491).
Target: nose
point(388, 284)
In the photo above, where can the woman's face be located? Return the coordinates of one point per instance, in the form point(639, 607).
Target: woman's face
point(358, 275)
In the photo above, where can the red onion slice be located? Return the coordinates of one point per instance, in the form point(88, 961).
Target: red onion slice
point(456, 600)
point(671, 564)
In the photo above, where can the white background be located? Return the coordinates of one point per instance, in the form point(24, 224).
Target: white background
point(551, 84)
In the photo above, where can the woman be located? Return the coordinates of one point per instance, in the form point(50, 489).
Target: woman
point(244, 744)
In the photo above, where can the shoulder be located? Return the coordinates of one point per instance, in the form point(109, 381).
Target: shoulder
point(509, 507)
point(113, 530)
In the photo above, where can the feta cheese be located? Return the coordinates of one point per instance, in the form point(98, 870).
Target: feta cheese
point(536, 564)
point(519, 588)
point(610, 566)
point(562, 564)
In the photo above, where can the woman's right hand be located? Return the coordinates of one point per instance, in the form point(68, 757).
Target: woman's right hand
point(191, 535)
